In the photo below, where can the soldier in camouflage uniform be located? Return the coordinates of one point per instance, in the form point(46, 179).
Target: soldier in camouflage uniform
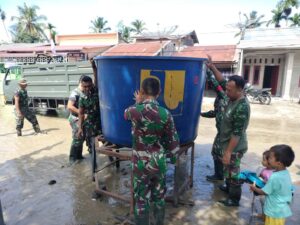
point(77, 141)
point(154, 138)
point(89, 116)
point(22, 109)
point(233, 138)
point(218, 112)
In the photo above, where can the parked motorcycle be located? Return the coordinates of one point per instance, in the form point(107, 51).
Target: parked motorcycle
point(261, 95)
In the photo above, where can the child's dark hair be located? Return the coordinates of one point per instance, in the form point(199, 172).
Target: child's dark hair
point(85, 78)
point(283, 154)
point(267, 154)
point(151, 86)
point(239, 81)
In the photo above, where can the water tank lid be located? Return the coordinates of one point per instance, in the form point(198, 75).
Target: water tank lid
point(152, 58)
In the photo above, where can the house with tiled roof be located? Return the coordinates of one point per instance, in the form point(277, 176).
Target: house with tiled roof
point(224, 56)
point(270, 58)
point(77, 47)
point(150, 48)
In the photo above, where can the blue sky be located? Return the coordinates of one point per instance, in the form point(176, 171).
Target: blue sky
point(74, 16)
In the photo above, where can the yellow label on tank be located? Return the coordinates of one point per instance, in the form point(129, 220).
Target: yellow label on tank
point(174, 86)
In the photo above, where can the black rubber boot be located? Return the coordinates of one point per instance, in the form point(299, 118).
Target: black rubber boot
point(234, 197)
point(225, 187)
point(159, 215)
point(218, 172)
point(37, 128)
point(142, 219)
point(220, 169)
point(79, 152)
point(73, 154)
point(19, 132)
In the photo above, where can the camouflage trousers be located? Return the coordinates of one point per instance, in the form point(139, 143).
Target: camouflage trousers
point(77, 142)
point(27, 114)
point(232, 171)
point(92, 129)
point(149, 183)
point(217, 151)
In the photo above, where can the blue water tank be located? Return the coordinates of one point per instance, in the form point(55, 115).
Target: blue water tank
point(182, 82)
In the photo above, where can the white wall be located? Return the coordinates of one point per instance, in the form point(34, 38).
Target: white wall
point(294, 87)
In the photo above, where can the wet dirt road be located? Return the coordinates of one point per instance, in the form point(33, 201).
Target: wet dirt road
point(28, 163)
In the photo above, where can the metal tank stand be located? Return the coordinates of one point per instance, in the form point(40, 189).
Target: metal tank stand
point(178, 188)
point(121, 155)
point(1, 215)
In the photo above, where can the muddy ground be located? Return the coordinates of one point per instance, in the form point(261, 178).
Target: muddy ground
point(28, 163)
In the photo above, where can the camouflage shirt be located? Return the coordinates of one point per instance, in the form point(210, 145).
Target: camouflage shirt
point(23, 98)
point(232, 117)
point(235, 123)
point(153, 130)
point(90, 104)
point(221, 100)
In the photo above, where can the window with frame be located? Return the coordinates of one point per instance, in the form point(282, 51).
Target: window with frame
point(246, 73)
point(256, 75)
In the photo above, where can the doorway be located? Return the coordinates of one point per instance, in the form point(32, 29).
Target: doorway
point(271, 78)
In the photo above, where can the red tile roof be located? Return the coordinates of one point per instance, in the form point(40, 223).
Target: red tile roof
point(219, 53)
point(137, 49)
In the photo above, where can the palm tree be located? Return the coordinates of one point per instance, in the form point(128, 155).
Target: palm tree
point(282, 11)
point(286, 6)
point(52, 32)
point(278, 15)
point(99, 25)
point(250, 22)
point(295, 20)
point(29, 25)
point(138, 26)
point(125, 31)
point(3, 18)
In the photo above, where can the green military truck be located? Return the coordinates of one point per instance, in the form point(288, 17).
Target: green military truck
point(49, 85)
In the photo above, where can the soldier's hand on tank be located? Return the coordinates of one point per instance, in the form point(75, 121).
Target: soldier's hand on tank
point(209, 62)
point(138, 97)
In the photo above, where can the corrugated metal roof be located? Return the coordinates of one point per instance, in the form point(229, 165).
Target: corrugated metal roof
point(165, 36)
point(262, 38)
point(219, 53)
point(137, 49)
